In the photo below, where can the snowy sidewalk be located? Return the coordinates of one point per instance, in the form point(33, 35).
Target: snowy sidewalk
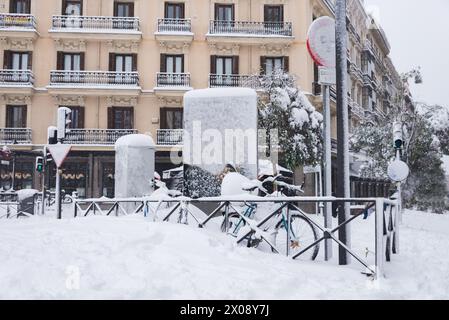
point(131, 258)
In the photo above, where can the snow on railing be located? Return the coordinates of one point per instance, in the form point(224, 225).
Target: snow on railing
point(16, 77)
point(174, 25)
point(251, 28)
point(234, 80)
point(94, 78)
point(15, 136)
point(96, 136)
point(386, 214)
point(165, 79)
point(170, 137)
point(17, 21)
point(90, 23)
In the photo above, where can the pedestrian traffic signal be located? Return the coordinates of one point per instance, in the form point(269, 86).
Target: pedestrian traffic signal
point(40, 164)
point(64, 121)
point(52, 135)
point(398, 139)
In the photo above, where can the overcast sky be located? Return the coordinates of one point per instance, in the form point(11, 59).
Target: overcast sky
point(418, 31)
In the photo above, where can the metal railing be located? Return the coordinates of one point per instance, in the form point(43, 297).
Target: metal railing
point(165, 79)
point(94, 23)
point(96, 136)
point(386, 215)
point(16, 77)
point(15, 136)
point(170, 137)
point(234, 80)
point(17, 21)
point(94, 78)
point(174, 25)
point(283, 29)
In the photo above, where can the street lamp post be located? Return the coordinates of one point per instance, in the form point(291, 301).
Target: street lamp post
point(343, 183)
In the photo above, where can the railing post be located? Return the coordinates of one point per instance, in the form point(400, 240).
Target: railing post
point(379, 236)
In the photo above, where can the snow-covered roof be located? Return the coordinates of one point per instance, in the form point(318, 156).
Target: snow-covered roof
point(221, 92)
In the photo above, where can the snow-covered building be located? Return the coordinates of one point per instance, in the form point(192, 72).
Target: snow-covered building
point(124, 66)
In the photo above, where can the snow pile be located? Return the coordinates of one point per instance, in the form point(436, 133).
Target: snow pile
point(131, 258)
point(26, 193)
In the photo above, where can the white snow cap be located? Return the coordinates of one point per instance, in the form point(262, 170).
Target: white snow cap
point(136, 140)
point(221, 93)
point(26, 193)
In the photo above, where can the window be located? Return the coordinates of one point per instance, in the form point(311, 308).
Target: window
point(124, 9)
point(172, 118)
point(222, 65)
point(20, 6)
point(224, 12)
point(273, 13)
point(172, 63)
point(121, 118)
point(122, 62)
point(174, 10)
point(16, 116)
point(17, 60)
point(72, 7)
point(77, 117)
point(270, 64)
point(70, 61)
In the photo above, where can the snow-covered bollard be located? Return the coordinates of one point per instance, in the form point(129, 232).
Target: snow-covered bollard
point(220, 135)
point(134, 166)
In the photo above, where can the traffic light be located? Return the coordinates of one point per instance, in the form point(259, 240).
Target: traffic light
point(52, 135)
point(64, 121)
point(40, 164)
point(397, 136)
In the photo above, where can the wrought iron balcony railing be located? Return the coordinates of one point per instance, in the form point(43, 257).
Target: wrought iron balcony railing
point(95, 23)
point(170, 137)
point(94, 78)
point(17, 21)
point(96, 136)
point(165, 79)
point(251, 28)
point(16, 77)
point(234, 80)
point(174, 25)
point(15, 136)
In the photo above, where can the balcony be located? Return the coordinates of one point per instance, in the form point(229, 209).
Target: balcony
point(99, 137)
point(172, 83)
point(174, 30)
point(95, 82)
point(96, 28)
point(15, 136)
point(250, 32)
point(170, 137)
point(232, 80)
point(18, 25)
point(16, 81)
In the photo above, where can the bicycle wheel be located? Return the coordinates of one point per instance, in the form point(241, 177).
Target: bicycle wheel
point(302, 234)
point(235, 224)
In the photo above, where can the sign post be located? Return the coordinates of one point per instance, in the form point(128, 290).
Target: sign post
point(59, 153)
point(321, 46)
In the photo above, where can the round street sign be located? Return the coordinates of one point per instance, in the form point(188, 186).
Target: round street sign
point(321, 42)
point(398, 171)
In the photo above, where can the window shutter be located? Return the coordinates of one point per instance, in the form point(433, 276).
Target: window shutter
point(216, 11)
point(111, 61)
point(23, 109)
point(182, 63)
point(82, 61)
point(213, 64)
point(60, 61)
point(163, 63)
point(131, 115)
point(163, 118)
point(134, 57)
point(111, 118)
point(81, 118)
point(235, 65)
point(281, 9)
point(9, 116)
point(30, 60)
point(183, 10)
point(7, 60)
point(131, 9)
point(263, 65)
point(286, 64)
point(64, 6)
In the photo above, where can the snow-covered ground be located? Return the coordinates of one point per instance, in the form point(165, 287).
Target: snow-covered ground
point(133, 258)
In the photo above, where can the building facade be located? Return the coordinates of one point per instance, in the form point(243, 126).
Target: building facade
point(123, 67)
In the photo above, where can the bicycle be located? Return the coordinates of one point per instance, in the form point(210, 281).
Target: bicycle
point(302, 232)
